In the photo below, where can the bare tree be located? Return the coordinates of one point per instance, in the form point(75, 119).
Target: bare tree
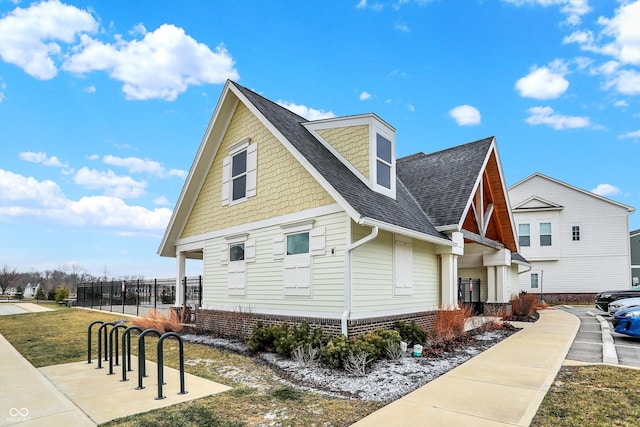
point(6, 277)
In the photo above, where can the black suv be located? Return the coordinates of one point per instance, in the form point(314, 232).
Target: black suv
point(604, 298)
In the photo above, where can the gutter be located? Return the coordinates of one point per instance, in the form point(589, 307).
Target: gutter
point(406, 232)
point(347, 267)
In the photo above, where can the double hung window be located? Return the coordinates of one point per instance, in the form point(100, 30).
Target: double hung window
point(545, 234)
point(524, 234)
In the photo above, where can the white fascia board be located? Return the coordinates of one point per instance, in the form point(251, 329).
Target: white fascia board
point(347, 121)
point(580, 190)
point(406, 232)
point(308, 166)
point(550, 205)
point(197, 173)
point(476, 184)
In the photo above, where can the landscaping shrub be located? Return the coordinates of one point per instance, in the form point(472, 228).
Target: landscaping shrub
point(51, 295)
point(411, 333)
point(449, 324)
point(524, 305)
point(284, 339)
point(62, 293)
point(156, 320)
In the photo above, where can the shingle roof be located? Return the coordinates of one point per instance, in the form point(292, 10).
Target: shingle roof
point(403, 211)
point(443, 182)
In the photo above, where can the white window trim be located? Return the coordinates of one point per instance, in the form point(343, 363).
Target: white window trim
point(522, 235)
point(373, 166)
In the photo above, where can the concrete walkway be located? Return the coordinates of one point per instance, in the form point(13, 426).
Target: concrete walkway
point(502, 386)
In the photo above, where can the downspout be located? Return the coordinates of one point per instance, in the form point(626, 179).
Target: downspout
point(347, 300)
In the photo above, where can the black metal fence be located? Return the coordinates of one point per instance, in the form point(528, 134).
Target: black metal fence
point(139, 296)
point(470, 292)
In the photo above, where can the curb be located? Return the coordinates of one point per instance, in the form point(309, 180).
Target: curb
point(609, 354)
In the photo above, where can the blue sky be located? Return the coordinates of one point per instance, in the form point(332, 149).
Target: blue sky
point(103, 104)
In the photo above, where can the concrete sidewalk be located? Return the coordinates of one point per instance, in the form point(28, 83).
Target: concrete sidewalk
point(502, 386)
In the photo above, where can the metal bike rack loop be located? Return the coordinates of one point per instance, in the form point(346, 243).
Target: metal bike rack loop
point(89, 339)
point(126, 350)
point(161, 363)
point(141, 355)
point(114, 329)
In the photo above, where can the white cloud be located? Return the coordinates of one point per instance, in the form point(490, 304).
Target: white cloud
point(90, 89)
point(465, 115)
point(26, 197)
point(112, 184)
point(402, 27)
point(621, 103)
point(362, 4)
point(3, 86)
point(606, 190)
point(573, 9)
point(364, 96)
point(411, 107)
point(544, 82)
point(162, 65)
point(546, 116)
point(138, 165)
point(632, 135)
point(28, 37)
point(624, 28)
point(161, 201)
point(306, 112)
point(626, 82)
point(40, 157)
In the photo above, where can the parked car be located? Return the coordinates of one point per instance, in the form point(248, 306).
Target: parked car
point(621, 304)
point(627, 322)
point(604, 298)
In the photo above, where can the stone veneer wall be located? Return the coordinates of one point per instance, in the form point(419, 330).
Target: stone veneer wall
point(240, 324)
point(569, 298)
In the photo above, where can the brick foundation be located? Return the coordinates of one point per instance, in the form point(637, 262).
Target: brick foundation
point(584, 298)
point(240, 324)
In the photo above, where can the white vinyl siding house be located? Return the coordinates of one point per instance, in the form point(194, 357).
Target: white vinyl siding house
point(578, 240)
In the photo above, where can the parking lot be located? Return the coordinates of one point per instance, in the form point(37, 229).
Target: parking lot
point(587, 345)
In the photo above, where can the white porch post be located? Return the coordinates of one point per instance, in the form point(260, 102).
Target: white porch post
point(449, 270)
point(498, 266)
point(449, 280)
point(180, 271)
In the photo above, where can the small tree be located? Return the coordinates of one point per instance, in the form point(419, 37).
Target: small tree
point(51, 295)
point(40, 295)
point(62, 293)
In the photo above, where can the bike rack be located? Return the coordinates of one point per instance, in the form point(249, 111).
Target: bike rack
point(106, 355)
point(161, 363)
point(141, 355)
point(89, 339)
point(114, 329)
point(126, 349)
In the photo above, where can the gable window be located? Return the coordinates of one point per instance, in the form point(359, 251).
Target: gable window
point(239, 173)
point(524, 234)
point(383, 161)
point(545, 234)
point(534, 280)
point(575, 233)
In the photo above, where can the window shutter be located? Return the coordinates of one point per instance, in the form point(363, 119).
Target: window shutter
point(226, 180)
point(252, 165)
point(278, 246)
point(317, 241)
point(224, 254)
point(250, 250)
point(403, 265)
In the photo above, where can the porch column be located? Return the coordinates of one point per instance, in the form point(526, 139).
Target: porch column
point(180, 271)
point(498, 264)
point(449, 280)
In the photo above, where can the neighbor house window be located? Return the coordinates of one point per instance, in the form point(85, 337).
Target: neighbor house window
point(575, 233)
point(524, 234)
point(534, 280)
point(545, 234)
point(383, 161)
